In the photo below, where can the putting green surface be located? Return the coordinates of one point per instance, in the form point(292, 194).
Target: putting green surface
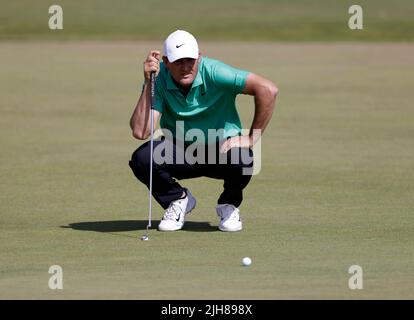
point(335, 188)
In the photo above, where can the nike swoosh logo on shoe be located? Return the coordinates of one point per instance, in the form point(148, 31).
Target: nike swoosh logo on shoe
point(178, 219)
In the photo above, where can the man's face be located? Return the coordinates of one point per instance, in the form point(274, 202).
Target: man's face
point(183, 70)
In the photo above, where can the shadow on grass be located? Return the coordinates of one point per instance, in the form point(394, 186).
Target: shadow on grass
point(134, 225)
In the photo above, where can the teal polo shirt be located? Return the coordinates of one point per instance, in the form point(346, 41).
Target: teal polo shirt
point(210, 105)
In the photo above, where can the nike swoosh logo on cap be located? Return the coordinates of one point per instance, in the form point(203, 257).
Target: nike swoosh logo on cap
point(177, 46)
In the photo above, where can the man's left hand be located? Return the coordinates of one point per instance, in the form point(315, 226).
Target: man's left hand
point(236, 142)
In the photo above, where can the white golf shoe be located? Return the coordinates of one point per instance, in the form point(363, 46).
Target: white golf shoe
point(229, 217)
point(174, 216)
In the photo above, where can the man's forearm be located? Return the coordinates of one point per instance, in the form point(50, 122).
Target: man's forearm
point(140, 119)
point(264, 101)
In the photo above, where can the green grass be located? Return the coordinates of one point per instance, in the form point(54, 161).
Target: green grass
point(271, 20)
point(335, 188)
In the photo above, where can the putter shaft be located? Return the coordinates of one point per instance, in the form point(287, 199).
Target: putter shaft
point(151, 147)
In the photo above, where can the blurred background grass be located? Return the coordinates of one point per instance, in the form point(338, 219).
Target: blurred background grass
point(264, 20)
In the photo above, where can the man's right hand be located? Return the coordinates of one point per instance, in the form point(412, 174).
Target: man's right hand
point(152, 63)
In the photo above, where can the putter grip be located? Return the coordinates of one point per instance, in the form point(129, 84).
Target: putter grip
point(152, 89)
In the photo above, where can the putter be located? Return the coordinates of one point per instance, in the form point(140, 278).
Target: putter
point(145, 236)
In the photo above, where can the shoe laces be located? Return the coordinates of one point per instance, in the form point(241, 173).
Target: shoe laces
point(173, 211)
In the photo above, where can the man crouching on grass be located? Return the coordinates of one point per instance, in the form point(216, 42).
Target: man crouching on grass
point(194, 92)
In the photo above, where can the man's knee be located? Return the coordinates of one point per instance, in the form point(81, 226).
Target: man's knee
point(240, 158)
point(140, 162)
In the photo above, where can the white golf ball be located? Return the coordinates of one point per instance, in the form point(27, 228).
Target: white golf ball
point(247, 261)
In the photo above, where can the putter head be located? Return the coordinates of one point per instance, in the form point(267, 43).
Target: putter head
point(145, 236)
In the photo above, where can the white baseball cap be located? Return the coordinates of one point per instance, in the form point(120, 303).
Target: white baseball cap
point(180, 44)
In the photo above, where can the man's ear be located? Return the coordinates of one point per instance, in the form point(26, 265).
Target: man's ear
point(165, 60)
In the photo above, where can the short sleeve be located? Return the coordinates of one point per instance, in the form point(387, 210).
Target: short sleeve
point(230, 78)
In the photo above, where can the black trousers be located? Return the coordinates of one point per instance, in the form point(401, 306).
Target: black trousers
point(235, 171)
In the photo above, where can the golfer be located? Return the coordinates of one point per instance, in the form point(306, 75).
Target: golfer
point(194, 93)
